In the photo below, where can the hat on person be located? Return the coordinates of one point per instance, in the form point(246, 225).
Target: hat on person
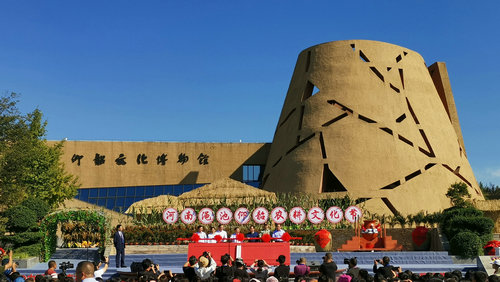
point(344, 278)
point(203, 261)
point(496, 262)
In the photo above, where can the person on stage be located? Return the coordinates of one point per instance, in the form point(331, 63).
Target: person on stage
point(202, 234)
point(266, 230)
point(235, 235)
point(119, 242)
point(252, 234)
point(211, 235)
point(278, 233)
point(220, 231)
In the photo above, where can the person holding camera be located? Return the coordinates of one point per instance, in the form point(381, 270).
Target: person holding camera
point(386, 269)
point(260, 269)
point(352, 269)
point(301, 269)
point(240, 271)
point(225, 272)
point(206, 266)
point(188, 269)
point(282, 271)
point(9, 261)
point(151, 271)
point(98, 271)
point(52, 269)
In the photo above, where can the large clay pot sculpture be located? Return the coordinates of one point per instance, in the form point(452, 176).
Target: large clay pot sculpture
point(370, 230)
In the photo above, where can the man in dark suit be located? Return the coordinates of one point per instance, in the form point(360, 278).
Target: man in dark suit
point(119, 241)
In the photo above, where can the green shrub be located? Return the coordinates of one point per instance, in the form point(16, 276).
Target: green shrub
point(40, 207)
point(20, 218)
point(24, 238)
point(453, 212)
point(466, 244)
point(32, 250)
point(481, 226)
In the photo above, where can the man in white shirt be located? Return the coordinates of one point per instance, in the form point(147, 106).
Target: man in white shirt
point(85, 272)
point(100, 271)
point(202, 234)
point(220, 231)
point(235, 235)
point(278, 233)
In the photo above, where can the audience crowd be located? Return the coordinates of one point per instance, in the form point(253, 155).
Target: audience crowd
point(205, 269)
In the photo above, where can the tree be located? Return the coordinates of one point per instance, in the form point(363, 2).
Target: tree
point(28, 165)
point(457, 194)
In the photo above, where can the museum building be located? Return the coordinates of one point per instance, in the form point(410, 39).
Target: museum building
point(364, 118)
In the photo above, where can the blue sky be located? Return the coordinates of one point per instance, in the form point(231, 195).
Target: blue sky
point(218, 71)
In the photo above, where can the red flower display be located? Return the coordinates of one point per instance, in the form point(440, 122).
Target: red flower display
point(286, 237)
point(218, 238)
point(240, 237)
point(2, 251)
point(489, 248)
point(266, 238)
point(195, 238)
point(322, 237)
point(419, 235)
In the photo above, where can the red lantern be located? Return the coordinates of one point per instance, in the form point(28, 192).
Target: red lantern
point(218, 238)
point(195, 238)
point(266, 238)
point(322, 237)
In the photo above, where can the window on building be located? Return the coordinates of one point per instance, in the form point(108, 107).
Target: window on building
point(252, 173)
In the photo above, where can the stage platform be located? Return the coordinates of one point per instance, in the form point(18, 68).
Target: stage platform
point(419, 262)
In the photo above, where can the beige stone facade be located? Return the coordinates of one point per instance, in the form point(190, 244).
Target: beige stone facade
point(370, 119)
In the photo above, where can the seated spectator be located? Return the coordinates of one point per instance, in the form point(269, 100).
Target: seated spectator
point(225, 272)
point(260, 269)
point(235, 235)
point(206, 266)
point(240, 272)
point(278, 233)
point(301, 269)
point(188, 269)
point(252, 234)
point(344, 278)
point(98, 271)
point(52, 269)
point(282, 271)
